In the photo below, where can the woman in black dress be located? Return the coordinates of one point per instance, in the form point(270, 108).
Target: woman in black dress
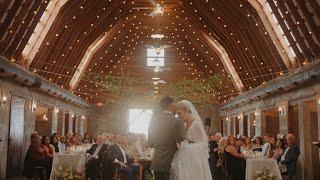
point(235, 163)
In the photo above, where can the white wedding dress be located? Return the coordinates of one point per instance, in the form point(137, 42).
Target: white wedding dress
point(191, 160)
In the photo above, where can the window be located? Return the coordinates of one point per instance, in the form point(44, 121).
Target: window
point(155, 57)
point(139, 120)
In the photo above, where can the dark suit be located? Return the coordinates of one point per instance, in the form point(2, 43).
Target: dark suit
point(114, 152)
point(164, 132)
point(93, 165)
point(213, 158)
point(291, 159)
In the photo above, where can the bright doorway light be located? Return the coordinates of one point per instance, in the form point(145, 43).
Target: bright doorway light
point(139, 120)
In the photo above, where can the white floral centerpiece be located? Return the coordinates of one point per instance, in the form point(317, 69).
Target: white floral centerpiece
point(66, 173)
point(265, 174)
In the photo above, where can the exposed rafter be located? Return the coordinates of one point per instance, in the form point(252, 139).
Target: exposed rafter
point(275, 32)
point(41, 30)
point(226, 62)
point(93, 48)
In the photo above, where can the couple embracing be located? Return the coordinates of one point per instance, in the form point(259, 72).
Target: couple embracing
point(181, 144)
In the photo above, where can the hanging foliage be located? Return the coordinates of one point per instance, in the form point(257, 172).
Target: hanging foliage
point(125, 88)
point(119, 87)
point(198, 91)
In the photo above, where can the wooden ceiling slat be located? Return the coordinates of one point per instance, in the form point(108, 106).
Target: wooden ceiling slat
point(8, 21)
point(309, 20)
point(38, 7)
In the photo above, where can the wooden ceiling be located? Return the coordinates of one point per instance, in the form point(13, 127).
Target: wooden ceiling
point(235, 24)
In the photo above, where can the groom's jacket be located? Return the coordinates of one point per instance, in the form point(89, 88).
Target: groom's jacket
point(164, 132)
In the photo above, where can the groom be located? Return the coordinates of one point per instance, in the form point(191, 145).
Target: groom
point(165, 131)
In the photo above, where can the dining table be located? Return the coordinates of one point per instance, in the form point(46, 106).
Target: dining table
point(68, 160)
point(255, 166)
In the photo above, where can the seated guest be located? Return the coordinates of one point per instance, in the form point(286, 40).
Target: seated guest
point(273, 142)
point(37, 157)
point(87, 138)
point(257, 147)
point(117, 156)
point(290, 157)
point(62, 143)
point(239, 144)
point(48, 148)
point(247, 146)
point(266, 146)
point(280, 147)
point(235, 164)
point(54, 142)
point(95, 154)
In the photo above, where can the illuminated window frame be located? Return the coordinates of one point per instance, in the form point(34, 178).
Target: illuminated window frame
point(155, 59)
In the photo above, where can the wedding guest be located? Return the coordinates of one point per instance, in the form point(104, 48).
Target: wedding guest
point(280, 147)
point(215, 167)
point(222, 144)
point(72, 142)
point(87, 138)
point(273, 141)
point(239, 144)
point(48, 148)
point(118, 157)
point(54, 142)
point(247, 146)
point(95, 155)
point(258, 144)
point(235, 163)
point(62, 143)
point(266, 146)
point(37, 156)
point(290, 157)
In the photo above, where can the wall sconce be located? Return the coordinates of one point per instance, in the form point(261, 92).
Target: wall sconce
point(56, 110)
point(45, 118)
point(256, 113)
point(281, 111)
point(319, 101)
point(34, 106)
point(227, 119)
point(83, 117)
point(239, 116)
point(3, 100)
point(72, 116)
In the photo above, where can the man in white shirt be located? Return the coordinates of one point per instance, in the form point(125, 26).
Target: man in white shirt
point(266, 146)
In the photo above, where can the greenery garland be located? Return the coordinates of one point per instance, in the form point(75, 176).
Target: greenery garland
point(199, 92)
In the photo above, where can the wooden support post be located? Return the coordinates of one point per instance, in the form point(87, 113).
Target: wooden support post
point(229, 126)
point(241, 124)
point(70, 122)
point(305, 141)
point(283, 118)
point(260, 123)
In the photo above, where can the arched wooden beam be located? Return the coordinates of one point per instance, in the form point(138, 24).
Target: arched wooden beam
point(41, 30)
point(275, 32)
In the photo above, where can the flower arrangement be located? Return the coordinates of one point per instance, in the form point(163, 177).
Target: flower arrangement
point(265, 174)
point(66, 174)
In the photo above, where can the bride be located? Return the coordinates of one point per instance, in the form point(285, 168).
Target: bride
point(191, 160)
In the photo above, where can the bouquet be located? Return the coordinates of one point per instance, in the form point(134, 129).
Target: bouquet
point(265, 174)
point(66, 174)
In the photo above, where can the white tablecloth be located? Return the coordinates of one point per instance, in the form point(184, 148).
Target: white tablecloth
point(76, 161)
point(254, 165)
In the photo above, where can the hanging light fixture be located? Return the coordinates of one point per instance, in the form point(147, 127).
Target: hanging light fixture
point(158, 10)
point(157, 36)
